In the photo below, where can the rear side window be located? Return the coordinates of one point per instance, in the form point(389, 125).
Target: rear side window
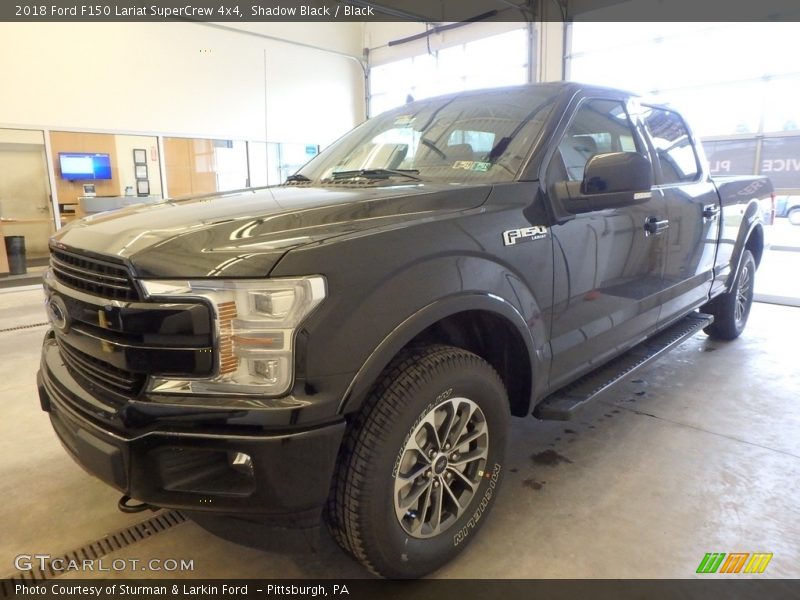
point(674, 148)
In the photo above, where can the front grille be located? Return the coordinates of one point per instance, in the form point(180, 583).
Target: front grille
point(97, 277)
point(99, 373)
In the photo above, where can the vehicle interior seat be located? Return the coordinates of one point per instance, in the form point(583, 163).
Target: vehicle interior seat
point(576, 150)
point(428, 157)
point(385, 156)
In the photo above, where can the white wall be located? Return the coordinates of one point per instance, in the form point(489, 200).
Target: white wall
point(182, 79)
point(126, 172)
point(21, 136)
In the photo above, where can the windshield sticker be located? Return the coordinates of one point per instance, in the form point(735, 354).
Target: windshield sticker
point(404, 120)
point(472, 165)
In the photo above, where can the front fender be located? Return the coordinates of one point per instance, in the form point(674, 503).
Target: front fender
point(390, 284)
point(421, 320)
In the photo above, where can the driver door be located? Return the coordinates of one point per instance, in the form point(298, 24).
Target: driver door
point(608, 268)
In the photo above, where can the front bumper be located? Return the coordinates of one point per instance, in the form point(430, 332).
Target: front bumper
point(281, 474)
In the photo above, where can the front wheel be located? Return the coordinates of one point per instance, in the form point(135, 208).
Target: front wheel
point(421, 463)
point(794, 216)
point(732, 309)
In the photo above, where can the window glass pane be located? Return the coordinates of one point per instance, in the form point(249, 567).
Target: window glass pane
point(198, 166)
point(672, 144)
point(449, 86)
point(496, 78)
point(782, 105)
point(713, 55)
point(263, 164)
point(780, 161)
point(592, 36)
point(499, 60)
point(423, 80)
point(497, 51)
point(719, 109)
point(731, 157)
point(625, 68)
point(231, 165)
point(294, 156)
point(452, 62)
point(452, 140)
point(479, 141)
point(722, 83)
point(383, 102)
point(384, 78)
point(599, 126)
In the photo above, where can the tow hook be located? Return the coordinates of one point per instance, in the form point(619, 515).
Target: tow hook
point(125, 507)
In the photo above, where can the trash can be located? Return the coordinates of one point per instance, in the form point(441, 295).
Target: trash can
point(15, 249)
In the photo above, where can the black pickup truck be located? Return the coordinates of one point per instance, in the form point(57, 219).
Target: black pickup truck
point(353, 342)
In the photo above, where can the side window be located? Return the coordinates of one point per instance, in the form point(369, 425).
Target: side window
point(674, 148)
point(598, 127)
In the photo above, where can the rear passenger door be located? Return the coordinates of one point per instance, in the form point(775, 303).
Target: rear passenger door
point(692, 210)
point(607, 269)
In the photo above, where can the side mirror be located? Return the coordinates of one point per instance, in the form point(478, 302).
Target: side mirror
point(610, 180)
point(617, 172)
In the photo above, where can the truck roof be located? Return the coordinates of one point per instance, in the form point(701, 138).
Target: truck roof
point(563, 87)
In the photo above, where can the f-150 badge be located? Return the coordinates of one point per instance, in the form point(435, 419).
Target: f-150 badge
point(526, 234)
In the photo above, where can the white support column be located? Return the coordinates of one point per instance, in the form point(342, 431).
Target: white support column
point(550, 45)
point(162, 166)
point(51, 177)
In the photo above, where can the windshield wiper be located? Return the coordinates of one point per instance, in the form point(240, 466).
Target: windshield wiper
point(375, 174)
point(501, 146)
point(432, 146)
point(297, 177)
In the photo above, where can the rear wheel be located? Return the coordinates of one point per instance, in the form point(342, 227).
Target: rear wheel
point(732, 309)
point(794, 216)
point(421, 463)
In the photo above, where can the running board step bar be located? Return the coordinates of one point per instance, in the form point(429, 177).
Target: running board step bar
point(564, 404)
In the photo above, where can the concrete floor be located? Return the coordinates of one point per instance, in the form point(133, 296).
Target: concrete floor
point(699, 453)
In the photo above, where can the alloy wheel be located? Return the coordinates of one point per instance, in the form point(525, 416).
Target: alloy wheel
point(743, 294)
point(440, 467)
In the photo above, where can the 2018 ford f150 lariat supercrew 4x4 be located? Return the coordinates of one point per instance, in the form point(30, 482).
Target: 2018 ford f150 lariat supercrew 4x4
point(353, 342)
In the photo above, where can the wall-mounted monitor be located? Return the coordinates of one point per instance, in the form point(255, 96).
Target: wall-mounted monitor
point(84, 165)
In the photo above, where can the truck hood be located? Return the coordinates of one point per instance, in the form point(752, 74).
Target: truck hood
point(244, 234)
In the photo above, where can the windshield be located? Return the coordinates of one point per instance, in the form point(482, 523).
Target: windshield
point(472, 138)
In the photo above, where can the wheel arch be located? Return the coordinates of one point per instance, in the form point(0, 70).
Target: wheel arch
point(750, 238)
point(483, 324)
point(755, 243)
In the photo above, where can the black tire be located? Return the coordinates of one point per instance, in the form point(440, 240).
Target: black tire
point(370, 492)
point(794, 216)
point(732, 309)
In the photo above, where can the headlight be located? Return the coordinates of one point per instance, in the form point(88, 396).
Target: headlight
point(256, 323)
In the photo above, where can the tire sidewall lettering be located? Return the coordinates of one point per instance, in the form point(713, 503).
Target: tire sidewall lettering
point(477, 514)
point(385, 539)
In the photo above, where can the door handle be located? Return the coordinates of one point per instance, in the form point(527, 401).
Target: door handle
point(710, 211)
point(654, 226)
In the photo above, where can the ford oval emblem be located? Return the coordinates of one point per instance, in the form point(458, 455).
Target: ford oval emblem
point(57, 313)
